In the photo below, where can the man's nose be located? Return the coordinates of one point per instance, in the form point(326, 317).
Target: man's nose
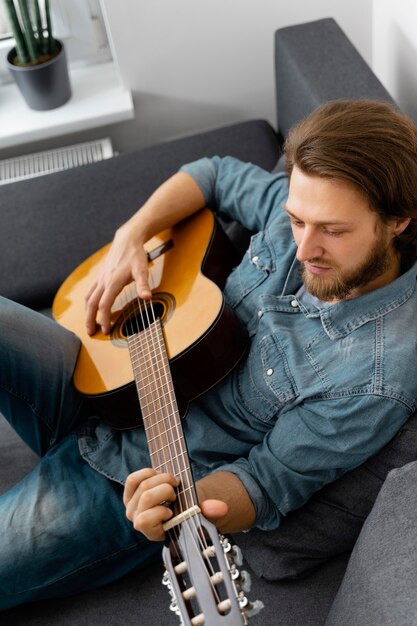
point(308, 245)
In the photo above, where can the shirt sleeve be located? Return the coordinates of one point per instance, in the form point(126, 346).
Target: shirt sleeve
point(240, 191)
point(311, 445)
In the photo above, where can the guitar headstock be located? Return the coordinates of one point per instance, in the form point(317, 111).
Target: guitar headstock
point(202, 575)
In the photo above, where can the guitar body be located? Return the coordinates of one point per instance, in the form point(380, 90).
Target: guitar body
point(189, 264)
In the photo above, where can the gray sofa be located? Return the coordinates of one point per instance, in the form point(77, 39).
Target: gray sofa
point(49, 224)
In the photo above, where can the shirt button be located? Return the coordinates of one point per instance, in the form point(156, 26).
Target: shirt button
point(269, 372)
point(294, 303)
point(255, 259)
point(260, 313)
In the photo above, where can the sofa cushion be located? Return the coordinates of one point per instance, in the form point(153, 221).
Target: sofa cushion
point(379, 588)
point(280, 166)
point(330, 522)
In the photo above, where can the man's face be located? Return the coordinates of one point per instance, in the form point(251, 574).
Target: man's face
point(343, 246)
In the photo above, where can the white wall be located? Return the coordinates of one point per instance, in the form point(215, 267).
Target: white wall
point(196, 65)
point(395, 50)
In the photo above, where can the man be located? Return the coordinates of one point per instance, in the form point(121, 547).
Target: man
point(326, 291)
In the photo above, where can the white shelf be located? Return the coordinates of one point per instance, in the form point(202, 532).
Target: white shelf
point(98, 99)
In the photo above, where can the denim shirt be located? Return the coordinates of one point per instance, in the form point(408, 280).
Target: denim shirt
point(321, 388)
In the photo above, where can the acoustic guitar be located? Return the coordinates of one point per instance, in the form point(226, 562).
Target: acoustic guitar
point(164, 353)
point(188, 265)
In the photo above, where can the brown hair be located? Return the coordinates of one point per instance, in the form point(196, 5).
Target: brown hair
point(370, 144)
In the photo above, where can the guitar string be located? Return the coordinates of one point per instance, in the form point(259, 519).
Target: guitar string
point(151, 323)
point(132, 326)
point(135, 347)
point(175, 431)
point(169, 466)
point(190, 494)
point(184, 494)
point(194, 520)
point(164, 462)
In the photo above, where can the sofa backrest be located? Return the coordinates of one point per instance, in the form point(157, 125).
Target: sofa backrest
point(49, 224)
point(316, 62)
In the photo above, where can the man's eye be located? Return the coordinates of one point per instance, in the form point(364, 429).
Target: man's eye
point(334, 233)
point(297, 223)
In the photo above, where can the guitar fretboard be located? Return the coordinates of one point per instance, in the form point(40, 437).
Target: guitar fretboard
point(160, 414)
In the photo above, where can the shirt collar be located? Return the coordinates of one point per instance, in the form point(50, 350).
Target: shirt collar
point(342, 318)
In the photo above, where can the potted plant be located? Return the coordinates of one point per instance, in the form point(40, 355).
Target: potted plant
point(37, 62)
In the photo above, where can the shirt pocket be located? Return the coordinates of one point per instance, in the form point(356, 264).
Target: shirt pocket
point(253, 270)
point(266, 383)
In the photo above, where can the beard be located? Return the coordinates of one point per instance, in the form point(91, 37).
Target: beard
point(342, 282)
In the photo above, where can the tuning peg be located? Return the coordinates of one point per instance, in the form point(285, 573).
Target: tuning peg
point(226, 545)
point(237, 555)
point(245, 581)
point(254, 608)
point(234, 572)
point(174, 606)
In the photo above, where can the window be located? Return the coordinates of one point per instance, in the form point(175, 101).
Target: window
point(78, 23)
point(4, 31)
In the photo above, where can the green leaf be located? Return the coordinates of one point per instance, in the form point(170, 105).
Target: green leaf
point(21, 47)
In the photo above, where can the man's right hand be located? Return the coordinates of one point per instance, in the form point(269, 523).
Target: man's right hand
point(177, 198)
point(125, 262)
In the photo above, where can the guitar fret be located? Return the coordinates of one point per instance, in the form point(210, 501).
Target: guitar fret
point(155, 427)
point(167, 445)
point(147, 369)
point(145, 395)
point(178, 473)
point(165, 411)
point(141, 338)
point(165, 432)
point(140, 358)
point(152, 376)
point(180, 454)
point(165, 398)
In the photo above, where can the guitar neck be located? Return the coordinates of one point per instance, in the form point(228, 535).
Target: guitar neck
point(159, 408)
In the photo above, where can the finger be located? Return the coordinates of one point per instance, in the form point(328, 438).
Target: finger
point(143, 291)
point(153, 496)
point(90, 291)
point(143, 480)
point(91, 307)
point(110, 293)
point(150, 493)
point(214, 509)
point(133, 481)
point(140, 274)
point(150, 522)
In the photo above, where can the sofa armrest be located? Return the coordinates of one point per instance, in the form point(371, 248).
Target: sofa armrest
point(316, 62)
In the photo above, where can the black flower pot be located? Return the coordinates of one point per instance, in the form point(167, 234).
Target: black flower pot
point(44, 86)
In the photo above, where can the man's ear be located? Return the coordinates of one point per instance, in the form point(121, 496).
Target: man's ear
point(398, 225)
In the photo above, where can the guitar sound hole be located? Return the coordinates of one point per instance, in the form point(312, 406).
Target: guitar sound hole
point(139, 320)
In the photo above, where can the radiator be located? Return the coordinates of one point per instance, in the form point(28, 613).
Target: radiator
point(40, 163)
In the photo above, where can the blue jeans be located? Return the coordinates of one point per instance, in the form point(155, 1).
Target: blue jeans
point(63, 528)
